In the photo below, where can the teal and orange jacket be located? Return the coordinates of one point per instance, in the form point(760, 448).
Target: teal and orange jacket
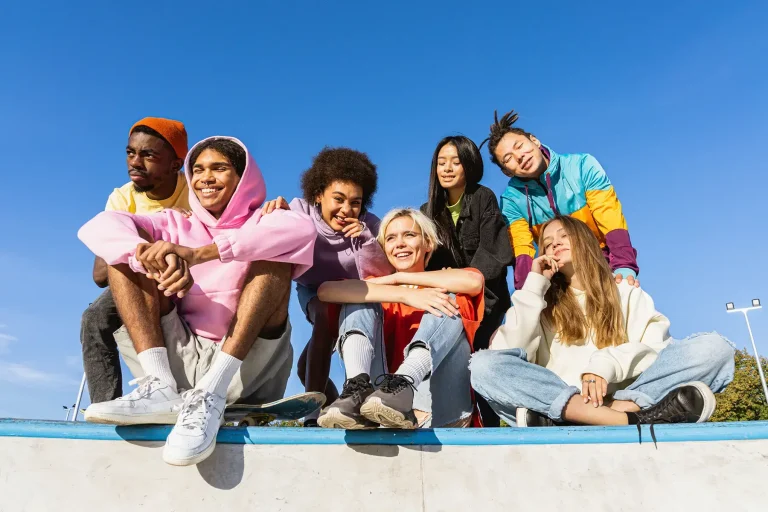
point(574, 185)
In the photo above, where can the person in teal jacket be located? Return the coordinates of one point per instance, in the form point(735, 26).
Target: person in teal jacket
point(544, 184)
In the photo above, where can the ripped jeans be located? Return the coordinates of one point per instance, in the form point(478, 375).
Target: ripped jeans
point(507, 380)
point(445, 394)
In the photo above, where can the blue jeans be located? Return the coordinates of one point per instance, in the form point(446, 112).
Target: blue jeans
point(306, 294)
point(507, 380)
point(446, 392)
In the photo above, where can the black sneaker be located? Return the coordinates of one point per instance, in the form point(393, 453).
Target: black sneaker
point(392, 404)
point(310, 423)
point(344, 412)
point(690, 403)
point(528, 418)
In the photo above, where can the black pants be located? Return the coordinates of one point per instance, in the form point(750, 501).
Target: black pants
point(482, 339)
point(101, 359)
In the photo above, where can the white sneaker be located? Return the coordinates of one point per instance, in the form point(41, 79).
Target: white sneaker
point(193, 438)
point(152, 401)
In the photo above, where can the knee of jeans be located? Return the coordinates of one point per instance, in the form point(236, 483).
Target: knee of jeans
point(359, 316)
point(480, 368)
point(718, 350)
point(484, 367)
point(92, 315)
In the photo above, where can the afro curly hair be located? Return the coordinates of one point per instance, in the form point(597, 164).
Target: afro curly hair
point(340, 164)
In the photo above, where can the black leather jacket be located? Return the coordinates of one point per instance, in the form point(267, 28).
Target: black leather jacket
point(483, 239)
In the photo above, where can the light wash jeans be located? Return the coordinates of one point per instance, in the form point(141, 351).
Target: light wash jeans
point(507, 380)
point(446, 392)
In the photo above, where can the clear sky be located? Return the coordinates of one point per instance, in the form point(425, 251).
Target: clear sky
point(669, 96)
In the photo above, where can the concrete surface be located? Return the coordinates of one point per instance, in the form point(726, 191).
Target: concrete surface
point(43, 473)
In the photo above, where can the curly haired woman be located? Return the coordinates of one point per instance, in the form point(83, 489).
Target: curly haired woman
point(338, 189)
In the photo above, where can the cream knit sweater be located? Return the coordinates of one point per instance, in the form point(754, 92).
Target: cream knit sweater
point(647, 331)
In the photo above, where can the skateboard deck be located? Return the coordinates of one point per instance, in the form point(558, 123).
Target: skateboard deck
point(288, 408)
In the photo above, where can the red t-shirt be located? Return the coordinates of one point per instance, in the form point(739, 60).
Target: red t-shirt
point(401, 322)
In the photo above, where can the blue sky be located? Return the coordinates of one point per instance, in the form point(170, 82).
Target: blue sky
point(670, 97)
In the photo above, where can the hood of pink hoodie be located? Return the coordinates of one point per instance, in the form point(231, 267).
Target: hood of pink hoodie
point(249, 195)
point(241, 234)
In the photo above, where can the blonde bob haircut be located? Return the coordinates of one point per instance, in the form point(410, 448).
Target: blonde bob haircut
point(427, 227)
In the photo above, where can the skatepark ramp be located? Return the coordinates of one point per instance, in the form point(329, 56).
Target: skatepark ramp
point(60, 466)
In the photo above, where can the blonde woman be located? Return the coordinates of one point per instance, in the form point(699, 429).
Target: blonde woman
point(408, 333)
point(578, 348)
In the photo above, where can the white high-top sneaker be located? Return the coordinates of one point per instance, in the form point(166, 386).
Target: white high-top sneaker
point(193, 438)
point(152, 401)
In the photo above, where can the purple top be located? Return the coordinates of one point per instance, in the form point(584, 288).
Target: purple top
point(338, 257)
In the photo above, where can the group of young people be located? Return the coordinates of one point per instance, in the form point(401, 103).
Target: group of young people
point(199, 265)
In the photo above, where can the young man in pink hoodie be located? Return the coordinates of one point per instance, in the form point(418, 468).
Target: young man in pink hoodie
point(204, 299)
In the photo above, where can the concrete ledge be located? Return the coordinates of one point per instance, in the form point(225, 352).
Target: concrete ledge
point(756, 430)
point(77, 467)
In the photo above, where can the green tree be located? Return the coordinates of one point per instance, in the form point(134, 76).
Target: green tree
point(743, 399)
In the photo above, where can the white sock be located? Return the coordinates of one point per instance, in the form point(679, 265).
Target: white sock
point(357, 353)
point(220, 374)
point(417, 365)
point(154, 362)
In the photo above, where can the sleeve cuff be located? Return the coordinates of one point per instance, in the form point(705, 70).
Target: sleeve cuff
point(603, 368)
point(225, 248)
point(136, 265)
point(536, 283)
point(625, 272)
point(366, 235)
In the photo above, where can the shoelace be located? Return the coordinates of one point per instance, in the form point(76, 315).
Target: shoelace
point(352, 386)
point(146, 385)
point(195, 408)
point(640, 435)
point(670, 409)
point(394, 383)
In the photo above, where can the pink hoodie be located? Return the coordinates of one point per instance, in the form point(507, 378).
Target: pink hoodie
point(241, 234)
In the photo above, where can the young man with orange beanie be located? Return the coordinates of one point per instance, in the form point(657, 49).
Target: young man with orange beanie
point(155, 155)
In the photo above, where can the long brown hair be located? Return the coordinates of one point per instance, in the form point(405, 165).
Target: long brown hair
point(603, 317)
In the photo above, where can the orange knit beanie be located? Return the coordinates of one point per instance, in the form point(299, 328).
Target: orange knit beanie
point(172, 131)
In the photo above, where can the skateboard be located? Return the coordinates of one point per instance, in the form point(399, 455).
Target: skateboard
point(288, 408)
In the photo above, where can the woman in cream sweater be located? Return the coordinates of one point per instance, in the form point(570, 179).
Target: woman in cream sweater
point(576, 348)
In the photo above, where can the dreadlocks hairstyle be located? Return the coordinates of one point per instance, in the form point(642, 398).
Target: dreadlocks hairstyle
point(229, 148)
point(472, 162)
point(340, 164)
point(603, 316)
point(499, 129)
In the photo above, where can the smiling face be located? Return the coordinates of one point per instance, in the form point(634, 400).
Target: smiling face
point(405, 245)
point(520, 156)
point(450, 171)
point(341, 200)
point(214, 180)
point(557, 244)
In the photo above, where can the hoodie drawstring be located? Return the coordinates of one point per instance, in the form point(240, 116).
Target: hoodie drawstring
point(550, 196)
point(528, 201)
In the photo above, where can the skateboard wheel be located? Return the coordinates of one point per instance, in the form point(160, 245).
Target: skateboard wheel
point(247, 422)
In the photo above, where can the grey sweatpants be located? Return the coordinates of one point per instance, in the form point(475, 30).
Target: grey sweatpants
point(101, 359)
point(263, 374)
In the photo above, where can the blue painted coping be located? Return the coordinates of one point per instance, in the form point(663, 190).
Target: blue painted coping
point(734, 431)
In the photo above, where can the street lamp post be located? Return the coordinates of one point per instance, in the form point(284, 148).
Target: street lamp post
point(79, 398)
point(755, 305)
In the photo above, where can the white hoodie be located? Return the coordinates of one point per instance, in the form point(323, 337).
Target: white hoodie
point(647, 332)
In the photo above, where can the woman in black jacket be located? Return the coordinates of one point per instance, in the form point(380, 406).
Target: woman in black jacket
point(472, 232)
